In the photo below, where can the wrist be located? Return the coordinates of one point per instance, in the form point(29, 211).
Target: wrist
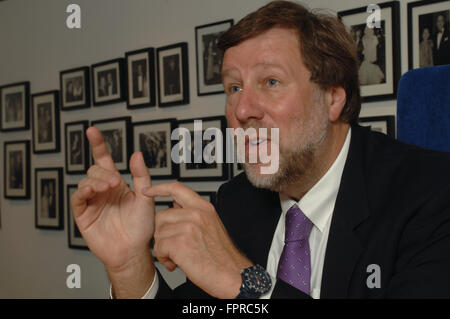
point(133, 278)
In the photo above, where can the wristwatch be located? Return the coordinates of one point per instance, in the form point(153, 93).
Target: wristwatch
point(255, 282)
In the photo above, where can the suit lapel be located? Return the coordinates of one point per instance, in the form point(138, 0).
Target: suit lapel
point(344, 247)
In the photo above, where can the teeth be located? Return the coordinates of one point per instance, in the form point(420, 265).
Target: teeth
point(256, 142)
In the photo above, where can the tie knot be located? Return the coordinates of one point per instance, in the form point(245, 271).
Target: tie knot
point(298, 226)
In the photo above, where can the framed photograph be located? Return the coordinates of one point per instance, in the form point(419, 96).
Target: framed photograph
point(153, 139)
point(378, 49)
point(49, 198)
point(77, 147)
point(15, 106)
point(173, 74)
point(75, 89)
point(207, 161)
point(209, 196)
point(141, 78)
point(108, 82)
point(46, 130)
point(382, 124)
point(16, 183)
point(76, 241)
point(118, 138)
point(428, 33)
point(209, 57)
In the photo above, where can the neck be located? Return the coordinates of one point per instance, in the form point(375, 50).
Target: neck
point(324, 158)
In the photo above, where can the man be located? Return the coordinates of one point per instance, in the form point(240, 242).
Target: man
point(441, 42)
point(344, 201)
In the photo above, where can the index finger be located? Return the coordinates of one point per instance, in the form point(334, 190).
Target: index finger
point(181, 194)
point(100, 152)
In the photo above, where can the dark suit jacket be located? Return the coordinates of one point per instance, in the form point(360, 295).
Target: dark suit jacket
point(442, 55)
point(392, 210)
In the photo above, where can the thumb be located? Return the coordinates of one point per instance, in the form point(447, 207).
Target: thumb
point(139, 171)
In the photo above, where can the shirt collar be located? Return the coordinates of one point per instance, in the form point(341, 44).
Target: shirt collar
point(318, 203)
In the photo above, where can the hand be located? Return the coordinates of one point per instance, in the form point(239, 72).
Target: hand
point(192, 237)
point(116, 223)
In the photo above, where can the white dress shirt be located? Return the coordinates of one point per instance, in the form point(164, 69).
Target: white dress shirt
point(318, 205)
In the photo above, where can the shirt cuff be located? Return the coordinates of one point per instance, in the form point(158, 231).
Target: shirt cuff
point(151, 292)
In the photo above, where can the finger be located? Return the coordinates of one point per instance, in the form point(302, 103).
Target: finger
point(161, 250)
point(166, 262)
point(99, 173)
point(79, 198)
point(97, 184)
point(182, 195)
point(99, 150)
point(139, 171)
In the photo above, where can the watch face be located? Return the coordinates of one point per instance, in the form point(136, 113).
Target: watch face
point(257, 280)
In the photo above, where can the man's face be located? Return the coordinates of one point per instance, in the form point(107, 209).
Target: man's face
point(440, 22)
point(268, 86)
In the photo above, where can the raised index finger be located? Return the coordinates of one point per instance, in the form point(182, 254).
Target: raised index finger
point(99, 150)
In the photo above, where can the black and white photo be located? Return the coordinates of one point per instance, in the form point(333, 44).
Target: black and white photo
point(141, 78)
point(378, 49)
point(75, 238)
point(15, 105)
point(45, 110)
point(49, 198)
point(173, 74)
point(153, 139)
point(118, 139)
point(77, 147)
point(108, 82)
point(75, 88)
point(209, 161)
point(16, 183)
point(428, 33)
point(383, 124)
point(209, 57)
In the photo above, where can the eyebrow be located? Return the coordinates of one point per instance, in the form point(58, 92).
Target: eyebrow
point(265, 65)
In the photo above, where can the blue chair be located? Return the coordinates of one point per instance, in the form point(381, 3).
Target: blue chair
point(423, 108)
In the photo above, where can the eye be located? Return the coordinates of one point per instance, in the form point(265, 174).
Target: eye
point(272, 82)
point(235, 89)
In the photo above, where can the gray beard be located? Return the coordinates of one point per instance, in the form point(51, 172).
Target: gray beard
point(293, 166)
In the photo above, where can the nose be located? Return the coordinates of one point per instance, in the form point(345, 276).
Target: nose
point(248, 106)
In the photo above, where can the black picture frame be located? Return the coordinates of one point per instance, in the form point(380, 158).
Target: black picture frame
point(383, 124)
point(202, 171)
point(141, 87)
point(380, 69)
point(74, 238)
point(425, 15)
point(46, 122)
point(15, 107)
point(108, 82)
point(17, 169)
point(75, 89)
point(49, 198)
point(156, 157)
point(173, 74)
point(118, 138)
point(209, 58)
point(77, 147)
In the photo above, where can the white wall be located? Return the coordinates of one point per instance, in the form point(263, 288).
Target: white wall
point(35, 46)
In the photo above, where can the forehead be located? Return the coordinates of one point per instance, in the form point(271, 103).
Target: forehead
point(275, 46)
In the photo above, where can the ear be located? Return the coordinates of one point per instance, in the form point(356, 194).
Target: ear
point(336, 98)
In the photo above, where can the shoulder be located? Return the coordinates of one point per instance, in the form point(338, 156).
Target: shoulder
point(399, 170)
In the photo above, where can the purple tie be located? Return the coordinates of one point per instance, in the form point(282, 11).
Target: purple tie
point(294, 266)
